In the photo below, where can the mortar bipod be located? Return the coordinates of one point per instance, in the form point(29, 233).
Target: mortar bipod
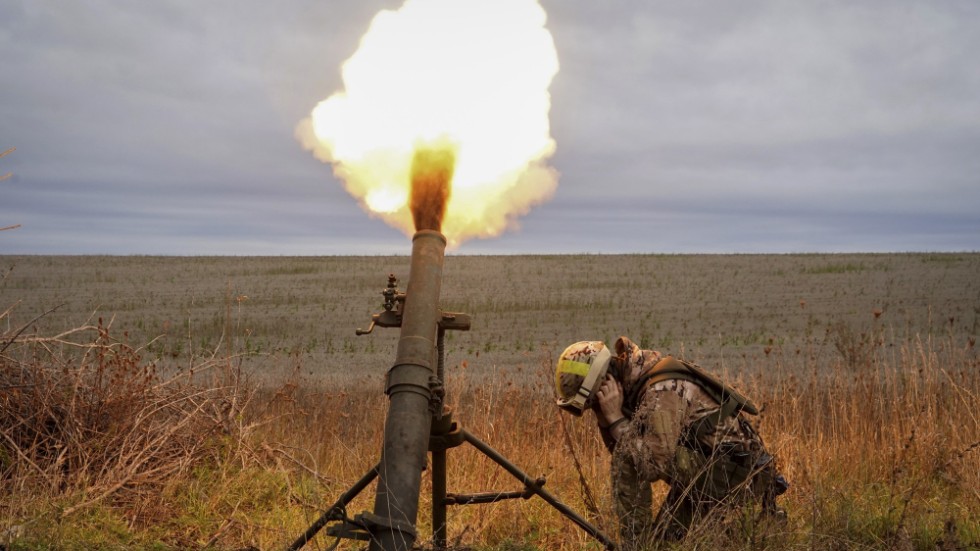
point(448, 434)
point(444, 434)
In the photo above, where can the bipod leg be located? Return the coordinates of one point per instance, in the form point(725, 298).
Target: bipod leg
point(535, 487)
point(439, 499)
point(444, 435)
point(337, 508)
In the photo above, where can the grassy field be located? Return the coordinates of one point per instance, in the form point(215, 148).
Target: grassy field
point(866, 364)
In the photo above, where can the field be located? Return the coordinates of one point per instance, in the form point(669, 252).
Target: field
point(866, 365)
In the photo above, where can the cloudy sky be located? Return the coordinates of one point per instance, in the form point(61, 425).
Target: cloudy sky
point(682, 127)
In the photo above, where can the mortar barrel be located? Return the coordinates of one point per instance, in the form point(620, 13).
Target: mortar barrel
point(407, 427)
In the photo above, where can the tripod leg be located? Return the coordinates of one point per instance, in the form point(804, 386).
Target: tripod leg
point(341, 502)
point(532, 485)
point(439, 499)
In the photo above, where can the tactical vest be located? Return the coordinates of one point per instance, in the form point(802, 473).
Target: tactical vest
point(732, 402)
point(712, 473)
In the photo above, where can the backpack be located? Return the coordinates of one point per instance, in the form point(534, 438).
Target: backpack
point(732, 402)
point(714, 473)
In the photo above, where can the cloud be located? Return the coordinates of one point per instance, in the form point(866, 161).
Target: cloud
point(768, 72)
point(757, 126)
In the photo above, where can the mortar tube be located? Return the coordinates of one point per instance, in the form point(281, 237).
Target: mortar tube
point(407, 426)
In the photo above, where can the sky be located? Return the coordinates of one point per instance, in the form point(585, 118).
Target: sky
point(681, 127)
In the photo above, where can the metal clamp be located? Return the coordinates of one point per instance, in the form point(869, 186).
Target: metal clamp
point(372, 522)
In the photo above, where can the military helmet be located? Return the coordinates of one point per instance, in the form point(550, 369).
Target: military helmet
point(580, 370)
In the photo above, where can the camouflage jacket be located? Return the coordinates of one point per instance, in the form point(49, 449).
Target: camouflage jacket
point(661, 415)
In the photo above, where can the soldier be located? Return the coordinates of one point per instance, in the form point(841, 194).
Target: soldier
point(666, 419)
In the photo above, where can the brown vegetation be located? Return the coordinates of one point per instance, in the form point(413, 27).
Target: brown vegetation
point(866, 365)
point(85, 422)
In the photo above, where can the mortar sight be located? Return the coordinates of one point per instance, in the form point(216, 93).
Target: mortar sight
point(394, 302)
point(393, 305)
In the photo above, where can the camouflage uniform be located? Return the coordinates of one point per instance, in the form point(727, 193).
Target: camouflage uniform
point(724, 462)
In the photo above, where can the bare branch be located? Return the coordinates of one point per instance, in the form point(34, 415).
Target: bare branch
point(26, 325)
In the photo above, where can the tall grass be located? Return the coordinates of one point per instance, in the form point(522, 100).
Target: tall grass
point(107, 444)
point(882, 455)
point(88, 429)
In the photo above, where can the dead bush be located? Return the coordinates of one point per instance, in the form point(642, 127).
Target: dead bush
point(84, 419)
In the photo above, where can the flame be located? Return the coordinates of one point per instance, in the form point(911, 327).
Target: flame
point(467, 79)
point(432, 172)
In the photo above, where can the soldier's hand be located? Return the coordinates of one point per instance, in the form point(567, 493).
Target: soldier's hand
point(610, 399)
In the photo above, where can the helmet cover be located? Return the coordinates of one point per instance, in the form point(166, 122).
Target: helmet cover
point(580, 370)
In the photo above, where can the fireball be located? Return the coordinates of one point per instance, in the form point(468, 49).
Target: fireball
point(453, 92)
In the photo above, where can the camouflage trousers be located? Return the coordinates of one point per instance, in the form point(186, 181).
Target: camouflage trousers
point(698, 486)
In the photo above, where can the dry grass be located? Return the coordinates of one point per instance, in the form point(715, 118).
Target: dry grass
point(85, 423)
point(866, 364)
point(885, 457)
